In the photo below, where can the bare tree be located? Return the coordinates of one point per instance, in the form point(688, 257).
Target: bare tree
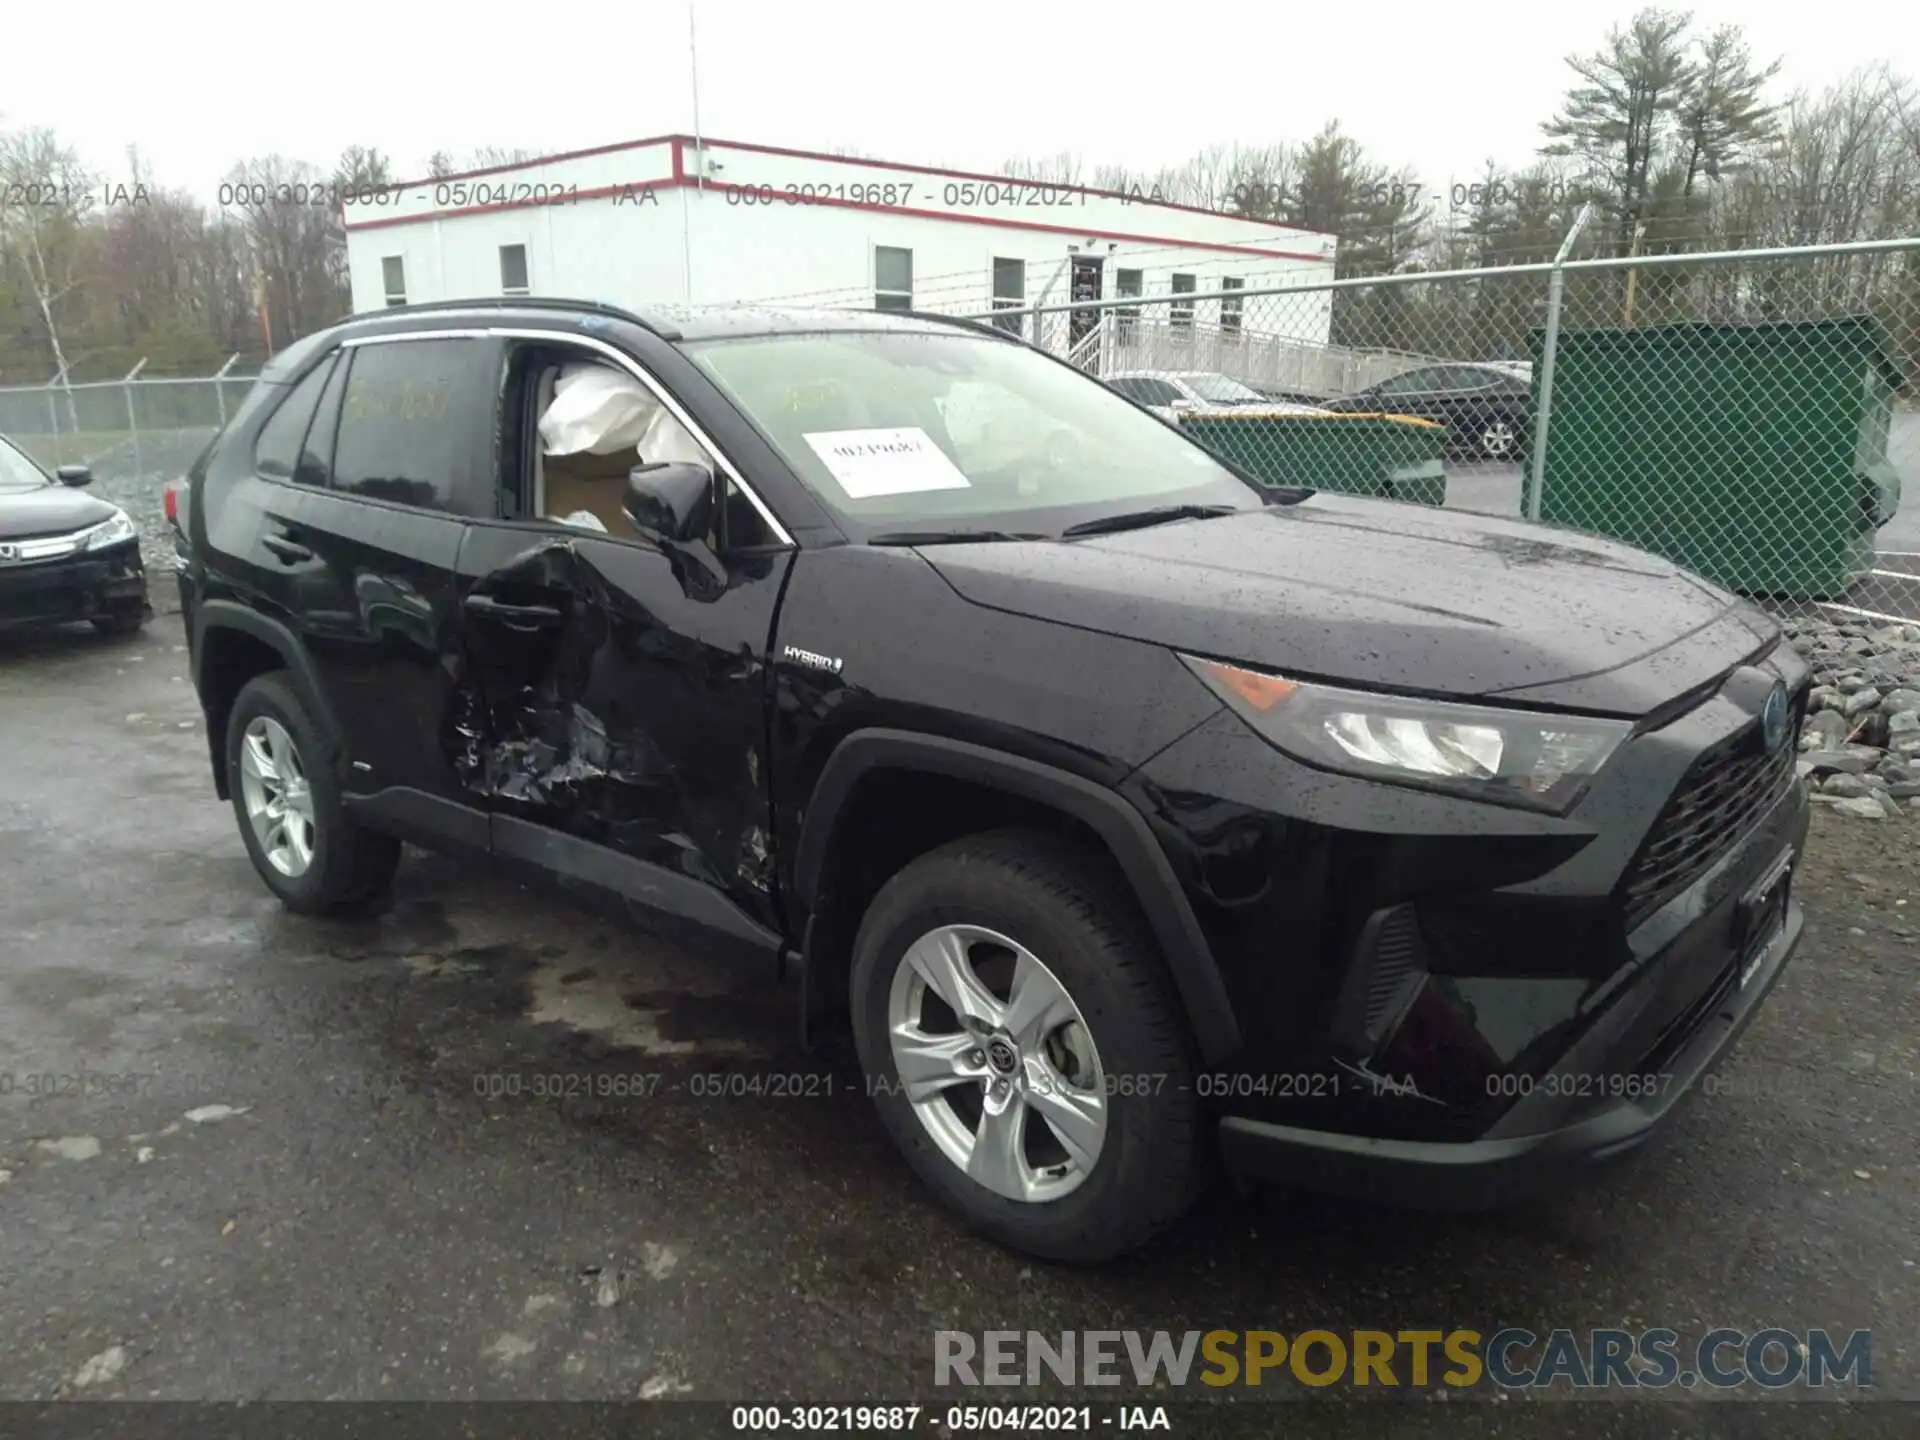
point(360, 171)
point(443, 163)
point(1061, 168)
point(43, 238)
point(293, 244)
point(362, 165)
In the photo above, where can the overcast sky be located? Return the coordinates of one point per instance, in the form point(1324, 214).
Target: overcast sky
point(1440, 87)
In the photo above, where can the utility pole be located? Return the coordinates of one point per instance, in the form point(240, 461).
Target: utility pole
point(699, 162)
point(1633, 271)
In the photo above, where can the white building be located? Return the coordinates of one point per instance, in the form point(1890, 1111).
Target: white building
point(675, 219)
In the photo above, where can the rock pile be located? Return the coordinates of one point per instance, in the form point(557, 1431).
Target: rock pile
point(1860, 749)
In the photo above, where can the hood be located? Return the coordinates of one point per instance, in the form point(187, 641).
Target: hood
point(1388, 596)
point(55, 510)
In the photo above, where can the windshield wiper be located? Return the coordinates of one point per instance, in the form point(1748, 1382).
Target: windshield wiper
point(1140, 519)
point(948, 537)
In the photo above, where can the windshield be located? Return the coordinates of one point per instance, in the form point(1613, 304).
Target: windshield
point(1220, 389)
point(17, 472)
point(895, 430)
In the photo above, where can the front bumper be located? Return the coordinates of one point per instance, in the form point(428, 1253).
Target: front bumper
point(1449, 1003)
point(109, 581)
point(1478, 1174)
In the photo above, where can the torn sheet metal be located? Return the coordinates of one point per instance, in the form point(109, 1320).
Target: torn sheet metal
point(564, 757)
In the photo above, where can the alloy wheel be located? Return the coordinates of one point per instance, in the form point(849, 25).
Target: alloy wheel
point(1498, 440)
point(279, 801)
point(997, 1062)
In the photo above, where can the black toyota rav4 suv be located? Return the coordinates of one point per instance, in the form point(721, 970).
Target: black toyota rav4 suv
point(1132, 815)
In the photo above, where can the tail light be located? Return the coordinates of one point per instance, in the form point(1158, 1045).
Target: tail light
point(170, 499)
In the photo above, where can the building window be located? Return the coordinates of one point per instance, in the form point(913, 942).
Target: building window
point(1009, 291)
point(513, 269)
point(892, 278)
point(393, 272)
point(1230, 304)
point(1125, 283)
point(1180, 312)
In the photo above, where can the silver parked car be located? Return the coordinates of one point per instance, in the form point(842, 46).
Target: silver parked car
point(1170, 393)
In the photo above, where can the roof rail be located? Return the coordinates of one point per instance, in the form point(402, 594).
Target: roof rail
point(527, 302)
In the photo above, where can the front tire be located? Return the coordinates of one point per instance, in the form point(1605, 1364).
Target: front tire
point(299, 836)
point(1025, 1049)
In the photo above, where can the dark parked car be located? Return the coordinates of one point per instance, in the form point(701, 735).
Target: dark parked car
point(1128, 814)
point(65, 555)
point(1487, 409)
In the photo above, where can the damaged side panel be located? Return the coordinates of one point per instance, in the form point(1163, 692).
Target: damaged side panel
point(610, 695)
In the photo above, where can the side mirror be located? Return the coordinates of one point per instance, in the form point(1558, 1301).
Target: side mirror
point(673, 500)
point(74, 475)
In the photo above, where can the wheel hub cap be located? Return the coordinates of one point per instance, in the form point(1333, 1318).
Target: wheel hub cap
point(997, 1062)
point(279, 801)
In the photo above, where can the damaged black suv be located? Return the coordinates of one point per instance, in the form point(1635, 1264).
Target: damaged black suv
point(1133, 816)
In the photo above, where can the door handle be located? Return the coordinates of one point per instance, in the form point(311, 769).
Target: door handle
point(288, 550)
point(517, 617)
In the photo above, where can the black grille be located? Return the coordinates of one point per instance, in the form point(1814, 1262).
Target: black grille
point(1396, 956)
point(1718, 801)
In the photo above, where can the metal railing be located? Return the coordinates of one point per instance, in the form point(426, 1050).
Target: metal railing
point(1753, 415)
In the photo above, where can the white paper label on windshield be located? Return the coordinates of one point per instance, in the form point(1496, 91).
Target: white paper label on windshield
point(868, 463)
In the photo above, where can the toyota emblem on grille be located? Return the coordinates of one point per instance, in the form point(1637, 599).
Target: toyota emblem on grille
point(1773, 717)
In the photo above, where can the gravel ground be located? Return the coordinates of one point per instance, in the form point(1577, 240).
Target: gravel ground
point(316, 1188)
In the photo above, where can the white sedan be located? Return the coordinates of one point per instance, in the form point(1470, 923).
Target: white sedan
point(1172, 393)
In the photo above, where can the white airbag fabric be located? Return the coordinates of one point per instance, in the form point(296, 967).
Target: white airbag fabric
point(598, 410)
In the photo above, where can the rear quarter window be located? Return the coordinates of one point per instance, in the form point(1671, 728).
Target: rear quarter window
point(276, 452)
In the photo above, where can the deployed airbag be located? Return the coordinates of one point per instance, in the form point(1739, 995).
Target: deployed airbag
point(596, 410)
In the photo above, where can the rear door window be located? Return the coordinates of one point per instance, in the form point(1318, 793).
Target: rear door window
point(1412, 383)
point(412, 414)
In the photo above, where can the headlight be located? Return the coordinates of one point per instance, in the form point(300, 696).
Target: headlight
point(108, 532)
point(1510, 757)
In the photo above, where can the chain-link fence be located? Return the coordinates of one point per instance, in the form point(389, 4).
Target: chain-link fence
point(130, 430)
point(1752, 415)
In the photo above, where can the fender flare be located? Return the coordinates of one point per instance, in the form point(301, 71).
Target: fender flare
point(211, 615)
point(1121, 828)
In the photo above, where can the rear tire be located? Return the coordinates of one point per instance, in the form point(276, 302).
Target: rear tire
point(1500, 440)
point(308, 849)
point(1112, 1047)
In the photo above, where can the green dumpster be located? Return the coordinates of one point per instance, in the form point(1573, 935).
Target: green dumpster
point(1753, 454)
point(1394, 456)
